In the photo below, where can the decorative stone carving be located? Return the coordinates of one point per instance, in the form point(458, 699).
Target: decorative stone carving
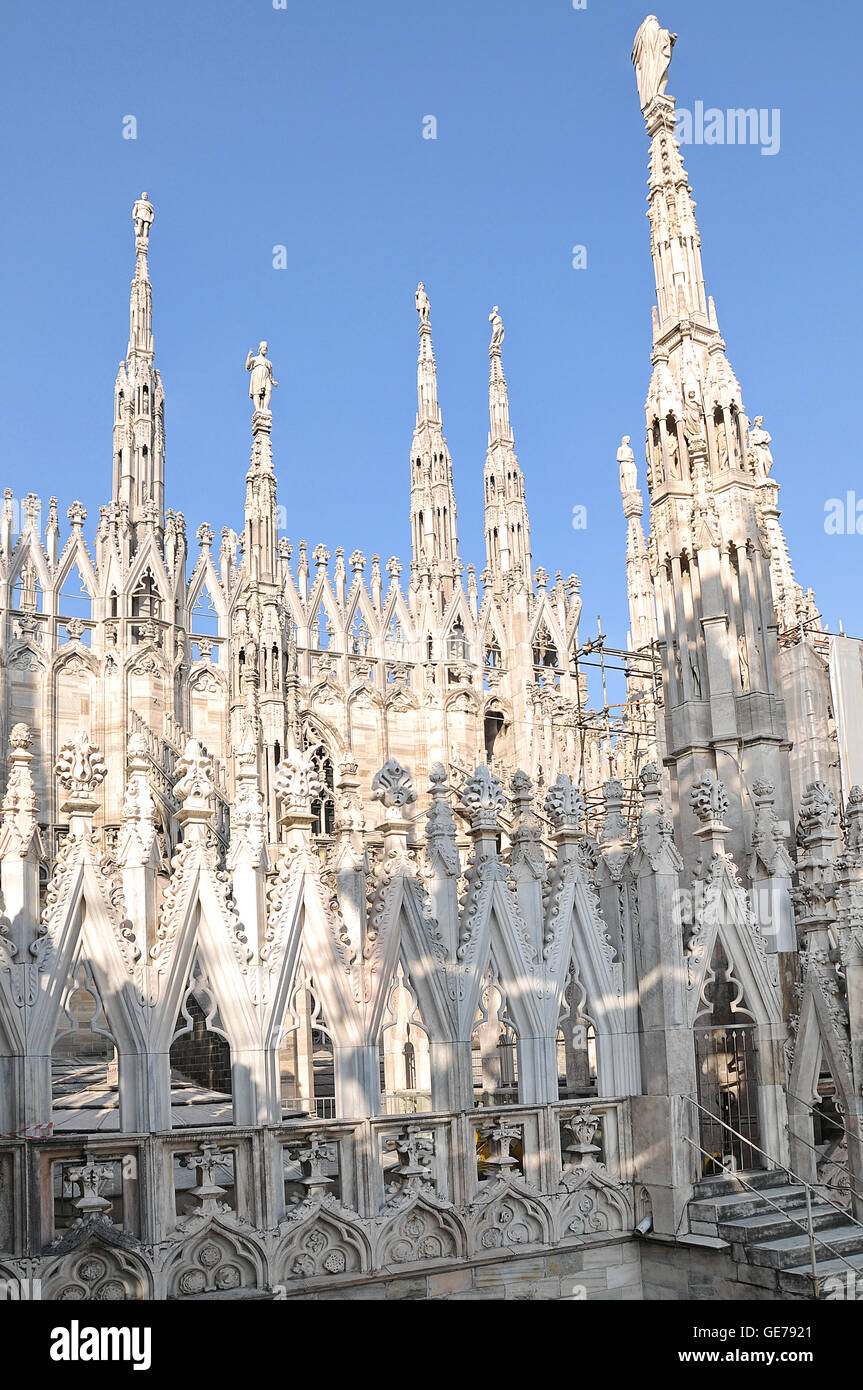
point(709, 799)
point(297, 783)
point(261, 382)
point(651, 57)
point(392, 786)
point(80, 767)
point(483, 799)
point(194, 776)
point(20, 803)
point(564, 804)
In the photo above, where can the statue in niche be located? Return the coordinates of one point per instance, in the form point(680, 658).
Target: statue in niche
point(678, 669)
point(497, 330)
point(673, 454)
point(722, 445)
point(760, 455)
point(696, 678)
point(422, 303)
point(743, 661)
point(692, 422)
point(651, 56)
point(262, 380)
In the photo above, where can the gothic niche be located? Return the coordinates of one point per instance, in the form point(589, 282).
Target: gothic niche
point(545, 660)
point(727, 1070)
point(306, 1064)
point(201, 1057)
point(83, 1058)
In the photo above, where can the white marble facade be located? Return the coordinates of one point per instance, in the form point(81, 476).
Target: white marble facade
point(347, 830)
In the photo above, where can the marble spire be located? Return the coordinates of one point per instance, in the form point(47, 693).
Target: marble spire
point(433, 508)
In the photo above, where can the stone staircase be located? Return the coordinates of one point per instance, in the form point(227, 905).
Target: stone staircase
point(727, 1209)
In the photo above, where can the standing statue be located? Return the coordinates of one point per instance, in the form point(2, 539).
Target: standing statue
point(496, 322)
point(142, 216)
point(262, 382)
point(626, 463)
point(651, 55)
point(422, 303)
point(692, 421)
point(759, 448)
point(743, 662)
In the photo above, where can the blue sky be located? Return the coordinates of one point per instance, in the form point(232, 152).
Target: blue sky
point(303, 127)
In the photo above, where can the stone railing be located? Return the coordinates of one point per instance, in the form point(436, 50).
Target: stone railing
point(310, 1205)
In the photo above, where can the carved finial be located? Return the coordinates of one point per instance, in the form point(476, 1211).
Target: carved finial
point(853, 821)
point(297, 783)
point(440, 822)
point(139, 806)
point(709, 799)
point(80, 767)
point(614, 825)
point(88, 1178)
point(392, 786)
point(564, 804)
point(248, 813)
point(194, 773)
point(768, 840)
point(20, 803)
point(818, 817)
point(483, 799)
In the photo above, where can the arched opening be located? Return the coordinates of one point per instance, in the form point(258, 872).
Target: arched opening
point(727, 1071)
point(456, 645)
point(494, 726)
point(306, 1058)
point(84, 1075)
point(494, 1051)
point(200, 1061)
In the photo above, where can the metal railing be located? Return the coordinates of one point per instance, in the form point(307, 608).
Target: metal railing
point(808, 1227)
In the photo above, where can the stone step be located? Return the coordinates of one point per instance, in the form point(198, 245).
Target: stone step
point(772, 1224)
point(729, 1183)
point(835, 1280)
point(742, 1203)
point(789, 1251)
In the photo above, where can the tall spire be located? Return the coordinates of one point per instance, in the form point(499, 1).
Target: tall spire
point(433, 509)
point(507, 528)
point(139, 424)
point(723, 706)
point(261, 514)
point(674, 242)
point(639, 583)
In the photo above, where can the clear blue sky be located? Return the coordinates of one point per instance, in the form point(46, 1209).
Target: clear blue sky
point(303, 127)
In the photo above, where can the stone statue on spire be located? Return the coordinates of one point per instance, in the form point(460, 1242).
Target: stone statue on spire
point(497, 329)
point(142, 216)
point(760, 455)
point(651, 56)
point(262, 382)
point(422, 303)
point(626, 462)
